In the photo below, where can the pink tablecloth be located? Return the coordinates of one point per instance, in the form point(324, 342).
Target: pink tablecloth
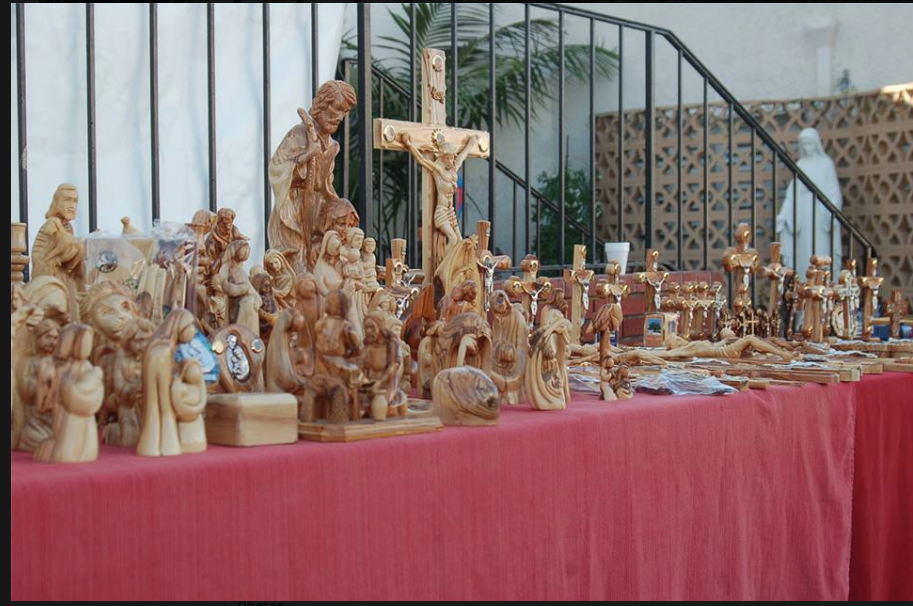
point(748, 496)
point(882, 557)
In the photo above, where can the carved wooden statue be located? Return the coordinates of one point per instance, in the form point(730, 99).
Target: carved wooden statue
point(608, 320)
point(382, 362)
point(282, 373)
point(269, 306)
point(80, 391)
point(56, 252)
point(459, 266)
point(440, 151)
point(283, 278)
point(653, 280)
point(328, 268)
point(36, 380)
point(121, 337)
point(301, 172)
point(578, 279)
point(174, 393)
point(369, 264)
point(510, 343)
point(870, 284)
point(466, 397)
point(241, 299)
point(464, 341)
point(334, 388)
point(223, 234)
point(547, 384)
point(614, 381)
point(461, 299)
point(729, 348)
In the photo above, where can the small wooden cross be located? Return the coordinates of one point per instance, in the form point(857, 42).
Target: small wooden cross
point(741, 261)
point(530, 289)
point(776, 273)
point(488, 263)
point(896, 308)
point(578, 279)
point(870, 284)
point(653, 280)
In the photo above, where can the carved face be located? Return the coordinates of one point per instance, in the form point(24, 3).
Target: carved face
point(448, 160)
point(65, 203)
point(370, 246)
point(226, 219)
point(329, 118)
point(500, 303)
point(111, 316)
point(48, 336)
point(373, 330)
point(274, 265)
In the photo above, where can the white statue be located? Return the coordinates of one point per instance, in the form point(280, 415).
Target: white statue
point(820, 169)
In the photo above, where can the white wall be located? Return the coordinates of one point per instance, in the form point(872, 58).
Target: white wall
point(56, 70)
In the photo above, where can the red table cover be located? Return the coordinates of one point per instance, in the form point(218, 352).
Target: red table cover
point(741, 497)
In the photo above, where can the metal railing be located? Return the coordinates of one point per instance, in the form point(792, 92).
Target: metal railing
point(367, 203)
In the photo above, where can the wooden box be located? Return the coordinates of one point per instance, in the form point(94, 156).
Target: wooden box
point(252, 419)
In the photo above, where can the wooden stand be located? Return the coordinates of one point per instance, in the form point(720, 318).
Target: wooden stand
point(18, 247)
point(413, 424)
point(252, 420)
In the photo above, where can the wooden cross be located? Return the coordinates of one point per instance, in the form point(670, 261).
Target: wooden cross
point(578, 278)
point(440, 151)
point(488, 262)
point(689, 303)
point(653, 280)
point(700, 310)
point(672, 303)
point(870, 284)
point(847, 295)
point(896, 309)
point(719, 302)
point(741, 261)
point(777, 274)
point(815, 294)
point(529, 289)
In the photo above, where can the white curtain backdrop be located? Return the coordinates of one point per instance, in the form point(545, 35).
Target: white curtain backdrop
point(56, 90)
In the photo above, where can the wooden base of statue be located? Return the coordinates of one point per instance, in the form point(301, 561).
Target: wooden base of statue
point(413, 424)
point(252, 420)
point(18, 247)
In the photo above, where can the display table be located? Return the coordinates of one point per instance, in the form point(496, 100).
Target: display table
point(749, 496)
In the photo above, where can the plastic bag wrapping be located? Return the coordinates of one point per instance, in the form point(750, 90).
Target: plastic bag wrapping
point(159, 267)
point(584, 380)
point(681, 382)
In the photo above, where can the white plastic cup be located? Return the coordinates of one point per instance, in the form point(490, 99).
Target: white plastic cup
point(618, 251)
